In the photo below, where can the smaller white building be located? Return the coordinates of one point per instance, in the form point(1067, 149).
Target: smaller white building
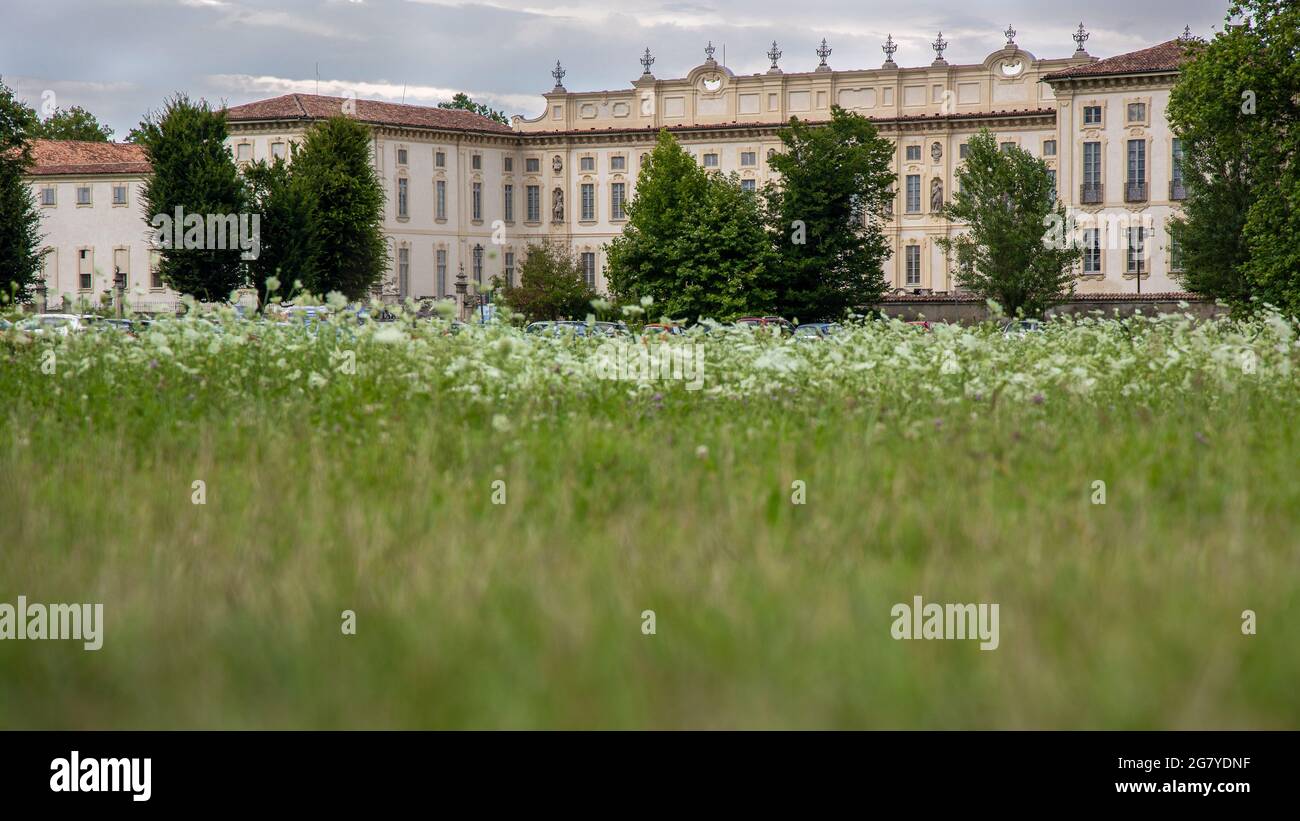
point(93, 223)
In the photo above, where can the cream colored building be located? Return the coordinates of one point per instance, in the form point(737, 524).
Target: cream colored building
point(463, 190)
point(89, 198)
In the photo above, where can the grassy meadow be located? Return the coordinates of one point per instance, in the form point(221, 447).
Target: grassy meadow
point(957, 465)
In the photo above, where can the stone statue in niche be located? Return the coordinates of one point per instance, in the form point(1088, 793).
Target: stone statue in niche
point(936, 152)
point(557, 165)
point(936, 195)
point(557, 204)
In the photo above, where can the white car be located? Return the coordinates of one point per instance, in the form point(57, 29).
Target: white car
point(61, 324)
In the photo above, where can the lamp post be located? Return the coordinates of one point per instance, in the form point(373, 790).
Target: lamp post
point(42, 296)
point(119, 282)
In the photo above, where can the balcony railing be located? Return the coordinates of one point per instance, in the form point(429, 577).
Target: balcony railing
point(1135, 192)
point(1177, 190)
point(1091, 193)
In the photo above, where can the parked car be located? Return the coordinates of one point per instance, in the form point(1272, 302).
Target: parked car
point(1020, 327)
point(757, 322)
point(612, 329)
point(61, 324)
point(920, 324)
point(538, 328)
point(816, 330)
point(662, 329)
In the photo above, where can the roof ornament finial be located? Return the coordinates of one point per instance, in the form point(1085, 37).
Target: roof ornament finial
point(774, 54)
point(823, 52)
point(939, 45)
point(1080, 37)
point(889, 48)
point(1186, 36)
point(708, 52)
point(1011, 35)
point(646, 61)
point(558, 74)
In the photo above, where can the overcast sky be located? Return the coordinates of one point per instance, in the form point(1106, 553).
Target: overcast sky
point(121, 58)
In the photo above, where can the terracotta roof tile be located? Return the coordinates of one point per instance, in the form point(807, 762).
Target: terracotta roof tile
point(52, 157)
point(1167, 56)
point(315, 107)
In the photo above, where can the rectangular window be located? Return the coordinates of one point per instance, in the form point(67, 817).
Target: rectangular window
point(1049, 148)
point(476, 162)
point(402, 197)
point(749, 185)
point(963, 151)
point(119, 194)
point(1092, 115)
point(616, 194)
point(1175, 255)
point(277, 151)
point(710, 160)
point(508, 164)
point(439, 159)
point(1136, 255)
point(478, 264)
point(589, 268)
point(1135, 189)
point(1092, 163)
point(85, 268)
point(913, 193)
point(1137, 112)
point(440, 256)
point(1176, 166)
point(476, 201)
point(913, 265)
point(534, 198)
point(1137, 160)
point(617, 162)
point(914, 153)
point(1006, 147)
point(401, 156)
point(440, 198)
point(587, 163)
point(510, 269)
point(48, 197)
point(508, 202)
point(1091, 251)
point(403, 272)
point(1051, 172)
point(588, 201)
point(532, 165)
point(244, 152)
point(749, 159)
point(121, 263)
point(83, 195)
point(155, 270)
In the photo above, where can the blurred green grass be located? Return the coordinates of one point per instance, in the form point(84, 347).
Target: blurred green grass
point(769, 614)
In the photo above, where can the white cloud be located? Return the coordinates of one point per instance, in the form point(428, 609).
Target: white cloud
point(370, 90)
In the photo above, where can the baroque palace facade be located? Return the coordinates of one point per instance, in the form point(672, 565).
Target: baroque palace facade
point(468, 194)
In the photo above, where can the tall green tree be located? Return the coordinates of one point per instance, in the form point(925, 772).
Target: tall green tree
point(74, 123)
point(284, 241)
point(827, 215)
point(462, 101)
point(20, 220)
point(551, 285)
point(334, 177)
point(193, 170)
point(694, 241)
point(1236, 107)
point(1017, 249)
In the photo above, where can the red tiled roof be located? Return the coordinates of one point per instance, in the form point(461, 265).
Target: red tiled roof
point(1164, 296)
point(905, 118)
point(1167, 56)
point(52, 157)
point(315, 107)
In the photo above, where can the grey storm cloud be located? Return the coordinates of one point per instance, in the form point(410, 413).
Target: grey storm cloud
point(122, 58)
